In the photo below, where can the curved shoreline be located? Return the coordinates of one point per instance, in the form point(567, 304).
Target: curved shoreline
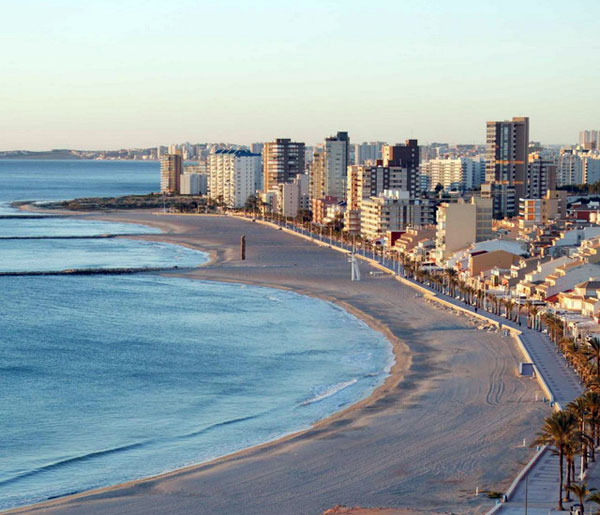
point(408, 380)
point(400, 352)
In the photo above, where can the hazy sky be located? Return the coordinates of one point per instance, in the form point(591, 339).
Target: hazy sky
point(108, 74)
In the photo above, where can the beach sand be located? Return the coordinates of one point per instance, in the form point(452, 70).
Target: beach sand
point(451, 417)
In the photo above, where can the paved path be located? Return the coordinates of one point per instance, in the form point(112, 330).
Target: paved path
point(540, 483)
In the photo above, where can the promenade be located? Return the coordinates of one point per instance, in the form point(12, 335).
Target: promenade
point(536, 486)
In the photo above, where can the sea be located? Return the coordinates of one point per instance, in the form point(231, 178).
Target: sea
point(107, 378)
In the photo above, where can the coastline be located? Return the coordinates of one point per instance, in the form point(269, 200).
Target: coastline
point(400, 352)
point(356, 414)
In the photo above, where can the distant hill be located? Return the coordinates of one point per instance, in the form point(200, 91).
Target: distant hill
point(58, 153)
point(66, 153)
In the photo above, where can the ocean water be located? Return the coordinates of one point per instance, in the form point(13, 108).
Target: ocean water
point(109, 378)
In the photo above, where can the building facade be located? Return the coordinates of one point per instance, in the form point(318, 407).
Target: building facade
point(460, 174)
point(194, 183)
point(507, 159)
point(171, 168)
point(283, 160)
point(337, 159)
point(589, 140)
point(541, 176)
point(393, 210)
point(366, 181)
point(328, 170)
point(232, 176)
point(461, 224)
point(407, 157)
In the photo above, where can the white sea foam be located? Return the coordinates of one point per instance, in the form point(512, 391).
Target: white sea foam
point(329, 392)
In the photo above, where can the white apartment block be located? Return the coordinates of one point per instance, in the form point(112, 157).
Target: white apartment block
point(233, 176)
point(336, 162)
point(462, 173)
point(577, 167)
point(392, 211)
point(292, 197)
point(193, 183)
point(366, 181)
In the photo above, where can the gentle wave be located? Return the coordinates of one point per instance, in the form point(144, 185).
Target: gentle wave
point(331, 391)
point(69, 461)
point(214, 426)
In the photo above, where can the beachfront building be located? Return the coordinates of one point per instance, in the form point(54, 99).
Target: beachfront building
point(366, 181)
point(291, 198)
point(416, 242)
point(171, 167)
point(393, 210)
point(193, 183)
point(407, 158)
point(328, 169)
point(461, 224)
point(232, 176)
point(283, 160)
point(323, 208)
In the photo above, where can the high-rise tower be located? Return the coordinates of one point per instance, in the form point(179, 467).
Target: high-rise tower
point(171, 168)
point(283, 160)
point(506, 163)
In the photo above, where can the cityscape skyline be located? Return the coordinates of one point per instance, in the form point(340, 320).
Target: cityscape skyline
point(106, 75)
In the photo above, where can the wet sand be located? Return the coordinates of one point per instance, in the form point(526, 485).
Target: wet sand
point(451, 417)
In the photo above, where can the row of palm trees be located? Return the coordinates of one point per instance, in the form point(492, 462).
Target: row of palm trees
point(574, 432)
point(448, 282)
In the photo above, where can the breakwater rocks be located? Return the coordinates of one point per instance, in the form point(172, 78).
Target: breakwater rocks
point(92, 271)
point(93, 237)
point(29, 217)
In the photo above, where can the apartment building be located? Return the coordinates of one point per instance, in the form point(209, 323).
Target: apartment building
point(461, 224)
point(171, 168)
point(461, 174)
point(393, 210)
point(283, 160)
point(507, 161)
point(232, 176)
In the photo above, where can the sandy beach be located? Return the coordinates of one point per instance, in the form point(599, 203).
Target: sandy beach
point(451, 417)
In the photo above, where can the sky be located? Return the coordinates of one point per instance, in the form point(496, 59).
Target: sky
point(105, 74)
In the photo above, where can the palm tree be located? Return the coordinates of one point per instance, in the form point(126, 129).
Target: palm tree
point(581, 491)
point(579, 408)
point(592, 352)
point(451, 276)
point(509, 305)
point(533, 315)
point(592, 400)
point(558, 432)
point(594, 498)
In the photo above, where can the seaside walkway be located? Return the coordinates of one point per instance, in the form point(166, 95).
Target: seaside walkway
point(536, 487)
